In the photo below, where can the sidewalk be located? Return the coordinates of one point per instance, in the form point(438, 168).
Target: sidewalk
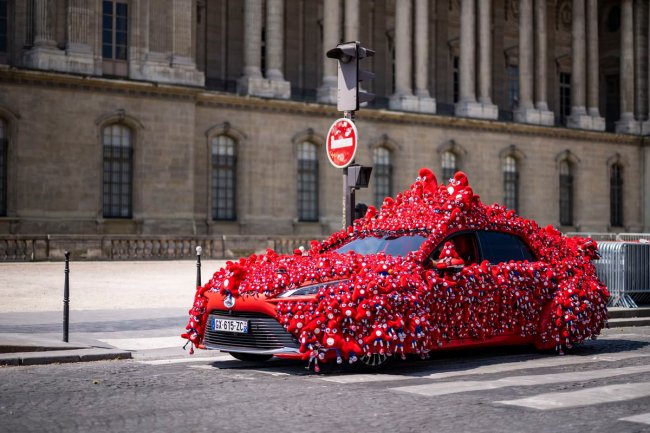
point(103, 296)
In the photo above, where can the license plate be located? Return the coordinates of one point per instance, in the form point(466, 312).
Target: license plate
point(229, 325)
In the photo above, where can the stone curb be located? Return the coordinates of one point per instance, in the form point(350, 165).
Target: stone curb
point(62, 356)
point(632, 321)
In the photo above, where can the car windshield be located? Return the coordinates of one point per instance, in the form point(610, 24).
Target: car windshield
point(391, 245)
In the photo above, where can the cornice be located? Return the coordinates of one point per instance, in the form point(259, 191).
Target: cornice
point(208, 98)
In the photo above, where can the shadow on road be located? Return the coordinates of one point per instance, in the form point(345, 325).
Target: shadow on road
point(440, 362)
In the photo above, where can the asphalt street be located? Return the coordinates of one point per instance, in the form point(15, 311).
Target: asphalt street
point(603, 386)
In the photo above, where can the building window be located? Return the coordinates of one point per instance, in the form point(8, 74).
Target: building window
point(383, 174)
point(616, 195)
point(565, 97)
point(449, 167)
point(3, 167)
point(566, 193)
point(511, 183)
point(4, 26)
point(223, 183)
point(115, 24)
point(118, 171)
point(513, 87)
point(456, 78)
point(307, 182)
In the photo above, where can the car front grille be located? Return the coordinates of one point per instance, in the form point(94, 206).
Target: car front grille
point(264, 333)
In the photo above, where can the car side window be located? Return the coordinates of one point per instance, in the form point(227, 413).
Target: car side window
point(502, 247)
point(465, 245)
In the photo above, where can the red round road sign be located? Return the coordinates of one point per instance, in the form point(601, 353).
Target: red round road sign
point(342, 143)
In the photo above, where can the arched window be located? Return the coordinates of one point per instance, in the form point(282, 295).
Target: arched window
point(3, 167)
point(510, 183)
point(448, 163)
point(383, 173)
point(117, 142)
point(307, 181)
point(616, 195)
point(566, 193)
point(223, 178)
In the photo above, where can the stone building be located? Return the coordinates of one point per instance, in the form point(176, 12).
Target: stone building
point(208, 117)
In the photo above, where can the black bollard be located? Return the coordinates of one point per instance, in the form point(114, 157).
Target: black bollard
point(66, 297)
point(198, 266)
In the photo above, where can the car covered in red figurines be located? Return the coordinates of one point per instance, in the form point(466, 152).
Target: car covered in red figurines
point(434, 268)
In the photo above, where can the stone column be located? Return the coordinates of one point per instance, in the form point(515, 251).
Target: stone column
point(485, 59)
point(331, 37)
point(351, 20)
point(646, 131)
point(403, 98)
point(78, 26)
point(79, 54)
point(627, 123)
point(532, 64)
point(467, 52)
point(252, 38)
point(43, 28)
point(44, 54)
point(467, 105)
point(525, 54)
point(252, 82)
point(593, 67)
point(274, 39)
point(578, 118)
point(426, 104)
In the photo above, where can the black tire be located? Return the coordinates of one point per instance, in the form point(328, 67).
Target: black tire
point(250, 357)
point(375, 361)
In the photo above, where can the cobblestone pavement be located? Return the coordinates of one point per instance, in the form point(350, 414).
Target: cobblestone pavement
point(505, 390)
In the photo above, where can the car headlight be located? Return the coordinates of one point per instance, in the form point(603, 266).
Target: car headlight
point(309, 290)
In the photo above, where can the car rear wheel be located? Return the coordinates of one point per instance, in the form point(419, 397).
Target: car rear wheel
point(375, 361)
point(250, 357)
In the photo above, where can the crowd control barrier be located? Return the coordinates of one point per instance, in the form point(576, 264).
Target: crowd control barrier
point(624, 267)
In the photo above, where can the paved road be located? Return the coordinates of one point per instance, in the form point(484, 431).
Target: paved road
point(603, 386)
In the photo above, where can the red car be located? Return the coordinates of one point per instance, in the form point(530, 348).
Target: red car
point(435, 268)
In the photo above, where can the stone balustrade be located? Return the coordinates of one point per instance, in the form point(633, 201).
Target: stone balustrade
point(23, 248)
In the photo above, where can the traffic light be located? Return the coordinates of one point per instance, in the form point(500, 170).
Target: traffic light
point(348, 54)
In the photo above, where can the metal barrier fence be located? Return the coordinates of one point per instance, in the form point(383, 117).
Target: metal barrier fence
point(611, 236)
point(624, 267)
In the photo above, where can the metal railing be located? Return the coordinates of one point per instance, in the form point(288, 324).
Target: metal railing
point(599, 236)
point(624, 267)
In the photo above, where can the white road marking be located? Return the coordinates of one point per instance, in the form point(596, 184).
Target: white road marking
point(584, 397)
point(643, 418)
point(146, 343)
point(190, 360)
point(548, 361)
point(444, 388)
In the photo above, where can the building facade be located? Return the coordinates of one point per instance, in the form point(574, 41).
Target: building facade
point(208, 117)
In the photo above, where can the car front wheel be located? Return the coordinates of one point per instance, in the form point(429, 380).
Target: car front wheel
point(250, 357)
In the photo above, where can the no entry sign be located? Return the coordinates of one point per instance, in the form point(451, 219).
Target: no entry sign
point(342, 143)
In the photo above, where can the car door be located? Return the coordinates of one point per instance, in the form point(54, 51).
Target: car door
point(510, 303)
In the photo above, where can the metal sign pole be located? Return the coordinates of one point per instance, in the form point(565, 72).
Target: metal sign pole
point(348, 193)
point(66, 297)
point(198, 266)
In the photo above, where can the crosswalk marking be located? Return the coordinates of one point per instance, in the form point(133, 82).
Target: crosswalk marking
point(643, 418)
point(584, 397)
point(444, 388)
point(548, 361)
